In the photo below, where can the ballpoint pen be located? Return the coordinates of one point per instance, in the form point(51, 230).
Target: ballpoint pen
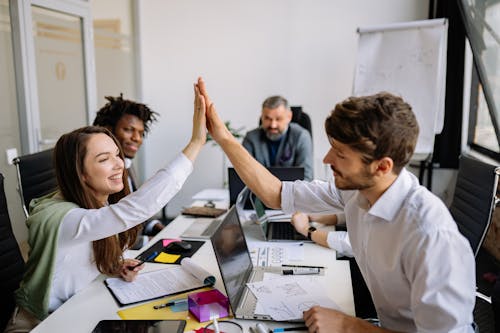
point(288, 329)
point(300, 271)
point(302, 266)
point(171, 303)
point(151, 256)
point(216, 325)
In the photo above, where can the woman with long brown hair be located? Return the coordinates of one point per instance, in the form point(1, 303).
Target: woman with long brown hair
point(82, 229)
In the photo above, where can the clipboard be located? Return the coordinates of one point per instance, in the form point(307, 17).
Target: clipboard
point(173, 280)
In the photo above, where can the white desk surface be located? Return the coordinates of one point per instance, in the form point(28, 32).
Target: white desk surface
point(82, 312)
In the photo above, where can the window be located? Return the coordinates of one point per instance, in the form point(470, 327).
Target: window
point(482, 22)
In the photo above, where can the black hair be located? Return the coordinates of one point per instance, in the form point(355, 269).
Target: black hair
point(113, 111)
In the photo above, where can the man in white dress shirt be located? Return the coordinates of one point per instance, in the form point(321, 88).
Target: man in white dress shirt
point(419, 269)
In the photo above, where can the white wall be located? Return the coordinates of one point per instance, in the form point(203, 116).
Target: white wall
point(246, 51)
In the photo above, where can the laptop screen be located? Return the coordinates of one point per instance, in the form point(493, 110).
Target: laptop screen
point(283, 173)
point(232, 254)
point(260, 211)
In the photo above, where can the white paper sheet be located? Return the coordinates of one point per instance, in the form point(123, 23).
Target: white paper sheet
point(287, 297)
point(159, 283)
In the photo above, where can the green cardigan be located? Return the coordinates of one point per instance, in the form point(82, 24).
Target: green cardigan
point(46, 214)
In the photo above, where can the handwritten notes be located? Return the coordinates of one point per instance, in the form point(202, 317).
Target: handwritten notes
point(286, 298)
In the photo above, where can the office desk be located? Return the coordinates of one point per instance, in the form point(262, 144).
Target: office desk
point(84, 310)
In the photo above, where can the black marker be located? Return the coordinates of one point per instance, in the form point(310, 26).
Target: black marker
point(175, 302)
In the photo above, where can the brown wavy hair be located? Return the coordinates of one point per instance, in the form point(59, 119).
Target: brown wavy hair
point(69, 155)
point(377, 126)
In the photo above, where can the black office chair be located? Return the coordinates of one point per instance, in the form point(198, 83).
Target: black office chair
point(299, 117)
point(11, 261)
point(35, 176)
point(475, 199)
point(473, 204)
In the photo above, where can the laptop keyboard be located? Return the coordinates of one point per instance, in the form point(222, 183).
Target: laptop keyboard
point(283, 230)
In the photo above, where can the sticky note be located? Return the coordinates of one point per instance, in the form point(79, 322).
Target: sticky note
point(167, 258)
point(168, 241)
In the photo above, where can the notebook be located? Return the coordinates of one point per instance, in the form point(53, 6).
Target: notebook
point(275, 230)
point(236, 267)
point(283, 173)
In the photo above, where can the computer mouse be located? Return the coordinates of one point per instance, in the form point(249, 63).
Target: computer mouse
point(178, 247)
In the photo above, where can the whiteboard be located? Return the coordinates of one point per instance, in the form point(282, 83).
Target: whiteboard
point(409, 60)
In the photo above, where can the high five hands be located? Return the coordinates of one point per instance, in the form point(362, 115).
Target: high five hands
point(214, 124)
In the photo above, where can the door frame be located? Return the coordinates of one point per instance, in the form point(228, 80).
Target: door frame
point(25, 65)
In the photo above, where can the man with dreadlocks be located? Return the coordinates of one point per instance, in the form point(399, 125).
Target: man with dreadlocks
point(129, 122)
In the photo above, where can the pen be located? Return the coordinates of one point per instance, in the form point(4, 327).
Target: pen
point(300, 271)
point(216, 325)
point(287, 329)
point(171, 303)
point(303, 266)
point(151, 256)
point(131, 268)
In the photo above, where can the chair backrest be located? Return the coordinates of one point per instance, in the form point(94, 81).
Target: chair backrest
point(299, 117)
point(11, 261)
point(475, 199)
point(35, 176)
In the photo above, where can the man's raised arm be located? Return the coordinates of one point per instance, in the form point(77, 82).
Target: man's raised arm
point(260, 181)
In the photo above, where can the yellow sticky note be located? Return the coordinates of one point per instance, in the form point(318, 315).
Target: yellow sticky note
point(167, 258)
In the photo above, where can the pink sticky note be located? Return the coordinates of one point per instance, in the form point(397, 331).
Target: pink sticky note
point(168, 241)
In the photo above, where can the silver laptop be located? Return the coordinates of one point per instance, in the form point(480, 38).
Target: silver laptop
point(201, 228)
point(236, 267)
point(275, 229)
point(204, 228)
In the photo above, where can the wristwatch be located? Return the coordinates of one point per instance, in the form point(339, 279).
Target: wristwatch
point(310, 231)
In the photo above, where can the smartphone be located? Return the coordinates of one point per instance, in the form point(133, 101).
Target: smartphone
point(140, 326)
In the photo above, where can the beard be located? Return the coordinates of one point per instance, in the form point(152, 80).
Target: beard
point(360, 181)
point(274, 136)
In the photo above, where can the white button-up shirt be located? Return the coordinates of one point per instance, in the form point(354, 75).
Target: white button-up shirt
point(74, 266)
point(420, 270)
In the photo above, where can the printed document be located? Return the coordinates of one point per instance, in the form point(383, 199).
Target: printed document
point(175, 279)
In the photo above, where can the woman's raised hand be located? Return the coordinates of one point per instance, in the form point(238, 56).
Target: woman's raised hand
point(199, 134)
point(215, 125)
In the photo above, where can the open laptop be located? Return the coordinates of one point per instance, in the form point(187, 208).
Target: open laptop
point(236, 267)
point(201, 228)
point(283, 173)
point(275, 230)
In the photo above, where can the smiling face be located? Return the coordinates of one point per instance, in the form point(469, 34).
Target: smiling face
point(275, 121)
point(349, 171)
point(102, 167)
point(129, 131)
